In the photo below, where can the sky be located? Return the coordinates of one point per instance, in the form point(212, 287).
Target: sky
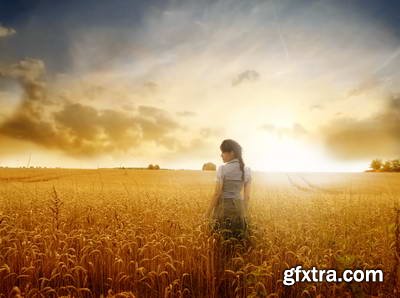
point(300, 85)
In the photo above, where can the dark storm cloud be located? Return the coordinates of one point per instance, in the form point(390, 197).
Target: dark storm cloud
point(375, 136)
point(75, 128)
point(248, 75)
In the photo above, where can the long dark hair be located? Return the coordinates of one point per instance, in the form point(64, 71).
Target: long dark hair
point(229, 145)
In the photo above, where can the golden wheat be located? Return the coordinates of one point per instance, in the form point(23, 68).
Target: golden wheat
point(137, 233)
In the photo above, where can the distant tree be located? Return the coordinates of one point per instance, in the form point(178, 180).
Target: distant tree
point(209, 166)
point(153, 167)
point(387, 166)
point(396, 165)
point(376, 164)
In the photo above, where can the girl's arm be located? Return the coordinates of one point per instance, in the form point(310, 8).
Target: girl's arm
point(247, 187)
point(214, 200)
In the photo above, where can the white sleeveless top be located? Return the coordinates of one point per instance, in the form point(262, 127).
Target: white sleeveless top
point(231, 177)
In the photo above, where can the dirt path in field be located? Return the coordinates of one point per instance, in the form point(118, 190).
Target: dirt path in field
point(319, 188)
point(31, 179)
point(299, 185)
point(302, 184)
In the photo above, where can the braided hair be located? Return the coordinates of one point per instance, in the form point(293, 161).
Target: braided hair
point(229, 145)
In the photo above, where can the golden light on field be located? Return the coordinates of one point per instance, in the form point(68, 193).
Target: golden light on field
point(140, 233)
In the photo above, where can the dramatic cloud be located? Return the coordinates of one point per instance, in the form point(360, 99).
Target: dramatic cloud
point(78, 129)
point(374, 136)
point(4, 31)
point(248, 75)
point(168, 81)
point(28, 72)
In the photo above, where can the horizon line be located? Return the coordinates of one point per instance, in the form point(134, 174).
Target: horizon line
point(182, 169)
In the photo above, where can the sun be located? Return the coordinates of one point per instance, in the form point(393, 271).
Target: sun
point(288, 154)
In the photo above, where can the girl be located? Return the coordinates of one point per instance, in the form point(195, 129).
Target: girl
point(228, 207)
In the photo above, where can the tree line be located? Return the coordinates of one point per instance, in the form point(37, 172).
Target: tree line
point(385, 166)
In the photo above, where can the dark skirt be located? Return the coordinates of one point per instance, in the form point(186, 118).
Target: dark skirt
point(229, 218)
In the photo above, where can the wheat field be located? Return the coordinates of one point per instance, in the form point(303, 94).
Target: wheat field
point(141, 233)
